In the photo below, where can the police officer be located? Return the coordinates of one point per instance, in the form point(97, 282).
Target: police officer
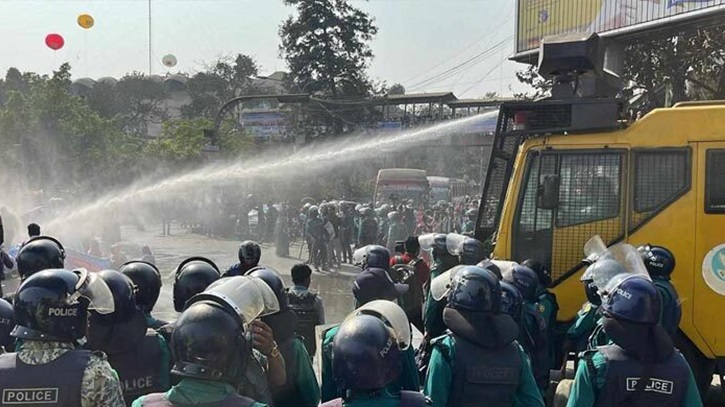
point(443, 260)
point(547, 305)
point(532, 336)
point(317, 237)
point(147, 279)
point(211, 351)
point(51, 312)
point(471, 252)
point(478, 361)
point(191, 277)
point(40, 253)
point(469, 226)
point(641, 367)
point(300, 387)
point(139, 354)
point(512, 303)
point(586, 318)
point(368, 229)
point(249, 254)
point(660, 263)
point(7, 323)
point(366, 358)
point(307, 305)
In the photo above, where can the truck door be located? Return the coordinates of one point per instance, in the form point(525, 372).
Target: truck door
point(709, 290)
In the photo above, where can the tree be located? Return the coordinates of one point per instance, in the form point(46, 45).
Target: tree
point(396, 89)
point(327, 49)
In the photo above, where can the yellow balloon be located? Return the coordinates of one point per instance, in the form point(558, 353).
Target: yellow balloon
point(85, 21)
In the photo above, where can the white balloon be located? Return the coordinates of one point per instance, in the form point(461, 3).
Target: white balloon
point(169, 60)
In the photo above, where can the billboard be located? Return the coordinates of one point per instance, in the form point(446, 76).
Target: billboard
point(540, 18)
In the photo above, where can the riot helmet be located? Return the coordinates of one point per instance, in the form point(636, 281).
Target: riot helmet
point(313, 211)
point(209, 343)
point(40, 253)
point(248, 297)
point(525, 280)
point(472, 252)
point(365, 355)
point(123, 291)
point(475, 289)
point(249, 253)
point(376, 256)
point(634, 299)
point(52, 305)
point(147, 279)
point(592, 292)
point(395, 216)
point(7, 323)
point(659, 261)
point(392, 315)
point(272, 278)
point(511, 301)
point(542, 273)
point(193, 276)
point(434, 242)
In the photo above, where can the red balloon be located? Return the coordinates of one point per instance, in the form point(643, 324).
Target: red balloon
point(54, 41)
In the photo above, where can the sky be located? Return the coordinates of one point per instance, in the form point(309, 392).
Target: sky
point(418, 44)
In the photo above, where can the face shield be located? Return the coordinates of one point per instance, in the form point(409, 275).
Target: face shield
point(454, 243)
point(427, 242)
point(594, 248)
point(614, 265)
point(249, 297)
point(94, 289)
point(504, 265)
point(358, 256)
point(390, 313)
point(441, 285)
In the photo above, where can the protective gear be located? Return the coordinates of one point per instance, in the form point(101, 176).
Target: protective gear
point(511, 301)
point(615, 264)
point(621, 367)
point(659, 261)
point(303, 305)
point(123, 291)
point(525, 280)
point(245, 296)
point(7, 323)
point(40, 253)
point(395, 216)
point(52, 305)
point(193, 276)
point(209, 343)
point(592, 292)
point(272, 278)
point(441, 285)
point(542, 273)
point(634, 299)
point(472, 252)
point(376, 257)
point(671, 310)
point(475, 289)
point(232, 400)
point(435, 242)
point(313, 211)
point(393, 316)
point(365, 355)
point(249, 253)
point(147, 279)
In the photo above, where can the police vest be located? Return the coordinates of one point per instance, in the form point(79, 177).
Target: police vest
point(666, 385)
point(232, 400)
point(303, 304)
point(671, 309)
point(407, 399)
point(289, 394)
point(139, 368)
point(480, 375)
point(56, 383)
point(254, 383)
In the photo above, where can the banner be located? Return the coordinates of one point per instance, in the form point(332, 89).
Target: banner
point(537, 19)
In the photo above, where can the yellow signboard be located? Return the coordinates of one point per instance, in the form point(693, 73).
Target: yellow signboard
point(540, 18)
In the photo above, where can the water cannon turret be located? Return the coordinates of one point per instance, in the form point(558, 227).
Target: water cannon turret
point(580, 66)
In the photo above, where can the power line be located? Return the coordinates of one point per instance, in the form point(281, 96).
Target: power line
point(483, 77)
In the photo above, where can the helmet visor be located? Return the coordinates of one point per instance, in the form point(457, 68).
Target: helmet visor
point(594, 248)
point(250, 297)
point(441, 285)
point(454, 243)
point(359, 256)
point(630, 260)
point(427, 241)
point(95, 290)
point(390, 313)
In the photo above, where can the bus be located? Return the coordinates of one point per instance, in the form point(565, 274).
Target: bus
point(447, 189)
point(396, 184)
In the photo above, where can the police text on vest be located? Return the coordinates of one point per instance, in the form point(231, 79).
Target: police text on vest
point(30, 396)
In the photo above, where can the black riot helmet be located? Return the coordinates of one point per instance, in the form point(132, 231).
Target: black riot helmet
point(272, 278)
point(52, 305)
point(147, 279)
point(472, 252)
point(209, 343)
point(475, 289)
point(249, 253)
point(7, 323)
point(659, 261)
point(511, 301)
point(40, 253)
point(124, 292)
point(365, 354)
point(376, 256)
point(542, 272)
point(193, 276)
point(525, 280)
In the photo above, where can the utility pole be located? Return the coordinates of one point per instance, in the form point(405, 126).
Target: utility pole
point(150, 52)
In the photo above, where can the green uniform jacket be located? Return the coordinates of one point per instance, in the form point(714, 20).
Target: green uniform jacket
point(195, 391)
point(433, 312)
point(548, 308)
point(440, 376)
point(306, 379)
point(408, 378)
point(584, 392)
point(385, 399)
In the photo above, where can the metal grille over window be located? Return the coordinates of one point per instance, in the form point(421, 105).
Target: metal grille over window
point(714, 185)
point(660, 177)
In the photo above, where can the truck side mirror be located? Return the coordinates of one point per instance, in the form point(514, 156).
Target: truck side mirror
point(547, 194)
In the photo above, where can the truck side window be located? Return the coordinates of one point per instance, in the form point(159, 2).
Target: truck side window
point(532, 218)
point(589, 188)
point(714, 185)
point(660, 177)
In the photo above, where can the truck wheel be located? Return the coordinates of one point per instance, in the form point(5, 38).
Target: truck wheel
point(561, 397)
point(702, 367)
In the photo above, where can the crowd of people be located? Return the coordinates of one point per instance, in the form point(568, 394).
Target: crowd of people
point(242, 338)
